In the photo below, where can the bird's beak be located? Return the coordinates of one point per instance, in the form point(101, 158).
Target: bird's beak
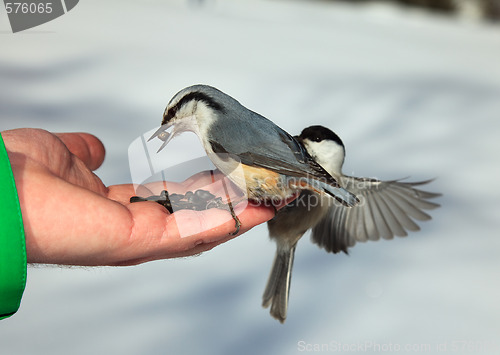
point(160, 131)
point(162, 134)
point(182, 125)
point(164, 144)
point(298, 139)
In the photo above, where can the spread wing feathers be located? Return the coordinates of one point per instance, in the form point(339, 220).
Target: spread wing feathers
point(386, 209)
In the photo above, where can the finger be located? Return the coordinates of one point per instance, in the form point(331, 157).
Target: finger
point(173, 245)
point(160, 235)
point(85, 146)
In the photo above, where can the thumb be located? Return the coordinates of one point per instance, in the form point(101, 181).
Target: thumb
point(85, 146)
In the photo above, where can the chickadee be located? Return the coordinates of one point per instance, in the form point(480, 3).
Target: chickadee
point(274, 165)
point(386, 209)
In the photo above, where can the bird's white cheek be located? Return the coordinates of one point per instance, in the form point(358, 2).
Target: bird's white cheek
point(328, 154)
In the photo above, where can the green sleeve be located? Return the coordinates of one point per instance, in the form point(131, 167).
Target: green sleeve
point(12, 242)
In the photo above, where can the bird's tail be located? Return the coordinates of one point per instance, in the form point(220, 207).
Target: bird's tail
point(278, 284)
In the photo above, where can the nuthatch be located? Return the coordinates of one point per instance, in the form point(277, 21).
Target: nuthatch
point(260, 158)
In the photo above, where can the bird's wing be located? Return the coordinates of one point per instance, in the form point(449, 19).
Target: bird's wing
point(386, 209)
point(275, 150)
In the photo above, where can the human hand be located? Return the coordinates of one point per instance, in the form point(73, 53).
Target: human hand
point(71, 218)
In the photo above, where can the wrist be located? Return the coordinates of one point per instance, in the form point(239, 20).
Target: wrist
point(12, 241)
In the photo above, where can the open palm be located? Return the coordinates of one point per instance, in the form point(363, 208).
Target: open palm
point(70, 217)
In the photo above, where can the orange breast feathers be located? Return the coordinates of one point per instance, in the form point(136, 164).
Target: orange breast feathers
point(262, 183)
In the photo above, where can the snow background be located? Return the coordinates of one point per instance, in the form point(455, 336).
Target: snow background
point(410, 93)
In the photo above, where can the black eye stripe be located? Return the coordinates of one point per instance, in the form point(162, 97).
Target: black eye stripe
point(196, 96)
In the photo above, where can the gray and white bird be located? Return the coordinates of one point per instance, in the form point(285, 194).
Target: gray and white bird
point(263, 160)
point(386, 209)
